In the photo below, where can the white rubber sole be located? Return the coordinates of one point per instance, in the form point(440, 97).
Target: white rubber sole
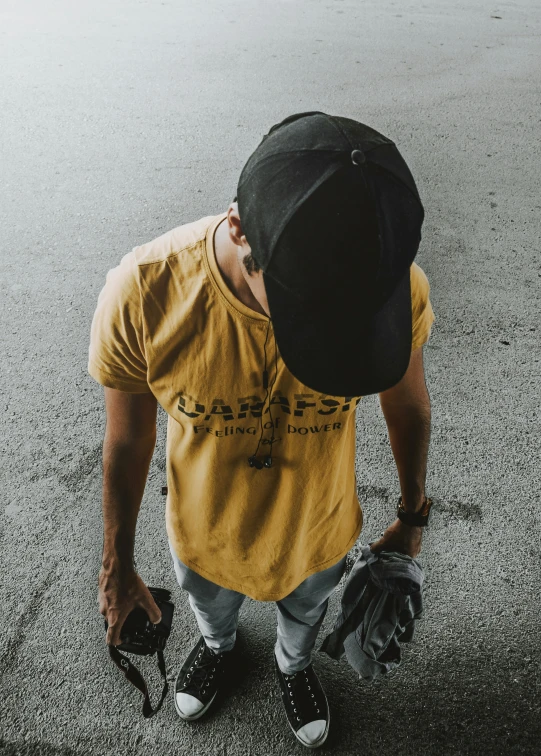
point(322, 739)
point(199, 714)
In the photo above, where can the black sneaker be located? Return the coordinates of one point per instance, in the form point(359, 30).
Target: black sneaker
point(306, 705)
point(198, 681)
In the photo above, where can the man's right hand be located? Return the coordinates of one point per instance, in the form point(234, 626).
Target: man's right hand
point(121, 591)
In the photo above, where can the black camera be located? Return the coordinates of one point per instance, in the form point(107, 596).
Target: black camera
point(140, 636)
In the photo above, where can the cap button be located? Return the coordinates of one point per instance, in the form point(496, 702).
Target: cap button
point(357, 157)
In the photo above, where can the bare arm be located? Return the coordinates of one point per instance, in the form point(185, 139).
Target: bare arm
point(128, 446)
point(406, 408)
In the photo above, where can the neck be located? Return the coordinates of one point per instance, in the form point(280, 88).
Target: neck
point(229, 266)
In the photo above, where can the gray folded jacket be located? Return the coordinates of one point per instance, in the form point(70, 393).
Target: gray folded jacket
point(380, 603)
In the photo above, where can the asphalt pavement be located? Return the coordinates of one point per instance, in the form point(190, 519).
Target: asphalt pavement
point(120, 120)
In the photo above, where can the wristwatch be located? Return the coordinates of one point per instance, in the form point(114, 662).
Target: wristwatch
point(419, 518)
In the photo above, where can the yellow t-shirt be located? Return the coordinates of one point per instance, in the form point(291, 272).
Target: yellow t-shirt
point(167, 323)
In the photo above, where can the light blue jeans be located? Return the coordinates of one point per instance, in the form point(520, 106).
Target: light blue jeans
point(299, 615)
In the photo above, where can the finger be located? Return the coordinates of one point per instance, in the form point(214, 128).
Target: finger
point(102, 605)
point(115, 624)
point(376, 546)
point(153, 611)
point(113, 635)
point(146, 601)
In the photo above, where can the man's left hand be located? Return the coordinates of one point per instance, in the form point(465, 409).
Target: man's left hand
point(406, 539)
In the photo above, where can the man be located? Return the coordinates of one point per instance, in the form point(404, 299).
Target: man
point(258, 331)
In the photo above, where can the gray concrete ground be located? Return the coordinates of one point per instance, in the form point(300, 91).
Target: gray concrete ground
point(123, 119)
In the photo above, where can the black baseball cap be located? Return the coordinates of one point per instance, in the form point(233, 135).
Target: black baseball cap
point(333, 217)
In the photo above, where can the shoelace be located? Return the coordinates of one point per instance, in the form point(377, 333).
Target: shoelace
point(202, 670)
point(306, 704)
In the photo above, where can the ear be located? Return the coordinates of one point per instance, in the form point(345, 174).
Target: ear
point(235, 228)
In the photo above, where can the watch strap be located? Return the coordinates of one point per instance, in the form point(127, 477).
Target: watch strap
point(420, 518)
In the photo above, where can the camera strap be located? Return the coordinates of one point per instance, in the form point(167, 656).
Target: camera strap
point(134, 676)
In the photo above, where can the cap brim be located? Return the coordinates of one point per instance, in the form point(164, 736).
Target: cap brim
point(337, 349)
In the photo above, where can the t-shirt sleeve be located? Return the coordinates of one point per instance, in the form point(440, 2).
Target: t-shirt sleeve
point(421, 308)
point(116, 356)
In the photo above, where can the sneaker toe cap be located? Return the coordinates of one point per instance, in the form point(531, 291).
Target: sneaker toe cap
point(188, 705)
point(312, 732)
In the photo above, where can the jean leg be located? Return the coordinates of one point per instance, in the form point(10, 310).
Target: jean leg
point(216, 609)
point(300, 616)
